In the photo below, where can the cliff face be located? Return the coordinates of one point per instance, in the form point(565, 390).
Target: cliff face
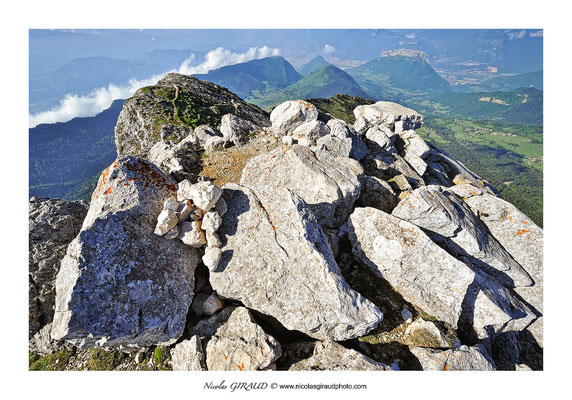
point(323, 232)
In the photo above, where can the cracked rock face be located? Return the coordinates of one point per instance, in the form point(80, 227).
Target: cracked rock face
point(341, 141)
point(53, 224)
point(519, 235)
point(241, 345)
point(462, 359)
point(277, 260)
point(188, 355)
point(120, 285)
point(299, 170)
point(330, 356)
point(427, 276)
point(447, 220)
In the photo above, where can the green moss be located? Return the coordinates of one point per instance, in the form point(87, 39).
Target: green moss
point(50, 362)
point(160, 355)
point(371, 339)
point(101, 360)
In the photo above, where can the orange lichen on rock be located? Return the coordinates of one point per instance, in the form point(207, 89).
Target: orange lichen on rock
point(147, 175)
point(522, 232)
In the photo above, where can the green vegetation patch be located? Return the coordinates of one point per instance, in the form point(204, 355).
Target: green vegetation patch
point(101, 360)
point(50, 362)
point(511, 159)
point(340, 106)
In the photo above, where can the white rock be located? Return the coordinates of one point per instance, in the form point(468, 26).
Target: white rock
point(215, 143)
point(171, 204)
point(361, 125)
point(212, 257)
point(192, 234)
point(188, 355)
point(211, 221)
point(287, 140)
point(387, 113)
point(184, 190)
point(213, 240)
point(331, 356)
point(204, 133)
point(289, 115)
point(241, 345)
point(462, 359)
point(307, 133)
point(184, 210)
point(204, 195)
point(415, 143)
point(166, 221)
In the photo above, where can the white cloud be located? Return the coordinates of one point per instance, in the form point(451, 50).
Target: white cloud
point(100, 99)
point(220, 57)
point(328, 48)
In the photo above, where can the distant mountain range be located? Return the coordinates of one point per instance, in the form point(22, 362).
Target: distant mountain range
point(66, 158)
point(256, 75)
point(393, 77)
point(314, 64)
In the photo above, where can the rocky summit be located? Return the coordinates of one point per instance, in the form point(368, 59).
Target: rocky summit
point(225, 238)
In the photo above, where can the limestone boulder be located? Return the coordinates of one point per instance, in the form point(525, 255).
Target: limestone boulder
point(518, 235)
point(433, 280)
point(330, 186)
point(307, 133)
point(203, 194)
point(188, 355)
point(241, 345)
point(330, 356)
point(215, 143)
point(341, 141)
point(449, 221)
point(180, 160)
point(286, 117)
point(387, 113)
point(141, 284)
point(277, 260)
point(205, 132)
point(380, 138)
point(53, 224)
point(464, 358)
point(235, 129)
point(377, 193)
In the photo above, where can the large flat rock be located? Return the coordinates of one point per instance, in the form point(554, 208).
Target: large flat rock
point(464, 358)
point(519, 235)
point(329, 185)
point(430, 278)
point(277, 260)
point(330, 356)
point(120, 285)
point(449, 221)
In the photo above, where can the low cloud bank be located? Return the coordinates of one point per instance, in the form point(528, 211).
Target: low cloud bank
point(72, 105)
